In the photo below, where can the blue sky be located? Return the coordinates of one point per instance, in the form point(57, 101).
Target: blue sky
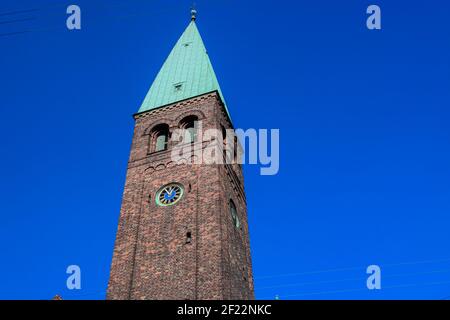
point(364, 126)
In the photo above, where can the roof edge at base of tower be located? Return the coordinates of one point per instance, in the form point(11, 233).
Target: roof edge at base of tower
point(139, 114)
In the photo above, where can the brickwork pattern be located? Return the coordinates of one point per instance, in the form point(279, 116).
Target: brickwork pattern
point(190, 250)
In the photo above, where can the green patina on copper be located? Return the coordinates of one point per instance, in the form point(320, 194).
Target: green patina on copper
point(186, 73)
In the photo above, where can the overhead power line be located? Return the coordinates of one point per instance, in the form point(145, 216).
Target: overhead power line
point(99, 5)
point(13, 33)
point(299, 284)
point(363, 289)
point(17, 20)
point(348, 269)
point(10, 13)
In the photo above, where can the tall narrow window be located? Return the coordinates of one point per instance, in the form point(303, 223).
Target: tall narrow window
point(224, 144)
point(190, 125)
point(160, 137)
point(224, 136)
point(161, 141)
point(234, 215)
point(191, 132)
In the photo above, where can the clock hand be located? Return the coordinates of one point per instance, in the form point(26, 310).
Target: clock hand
point(169, 194)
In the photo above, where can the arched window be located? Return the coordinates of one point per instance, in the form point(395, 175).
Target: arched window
point(190, 124)
point(234, 215)
point(160, 137)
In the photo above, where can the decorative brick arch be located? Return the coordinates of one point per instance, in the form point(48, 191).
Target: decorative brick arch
point(153, 125)
point(196, 112)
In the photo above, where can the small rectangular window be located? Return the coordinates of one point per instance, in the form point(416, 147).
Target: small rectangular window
point(178, 87)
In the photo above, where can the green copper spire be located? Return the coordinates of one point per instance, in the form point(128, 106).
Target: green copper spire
point(186, 73)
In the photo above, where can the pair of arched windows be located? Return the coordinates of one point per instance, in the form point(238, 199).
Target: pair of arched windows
point(160, 134)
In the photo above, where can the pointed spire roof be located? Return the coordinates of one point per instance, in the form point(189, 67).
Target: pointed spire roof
point(186, 73)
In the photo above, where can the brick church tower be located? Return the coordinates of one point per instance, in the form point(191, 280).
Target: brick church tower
point(183, 231)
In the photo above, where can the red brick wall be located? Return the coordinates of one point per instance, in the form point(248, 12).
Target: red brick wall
point(151, 257)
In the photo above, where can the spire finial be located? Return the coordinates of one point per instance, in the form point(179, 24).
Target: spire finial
point(193, 12)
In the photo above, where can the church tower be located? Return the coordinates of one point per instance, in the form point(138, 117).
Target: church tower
point(183, 231)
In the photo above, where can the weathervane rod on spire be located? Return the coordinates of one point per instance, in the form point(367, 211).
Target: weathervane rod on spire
point(193, 12)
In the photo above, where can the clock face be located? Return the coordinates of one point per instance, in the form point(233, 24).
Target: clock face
point(169, 194)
